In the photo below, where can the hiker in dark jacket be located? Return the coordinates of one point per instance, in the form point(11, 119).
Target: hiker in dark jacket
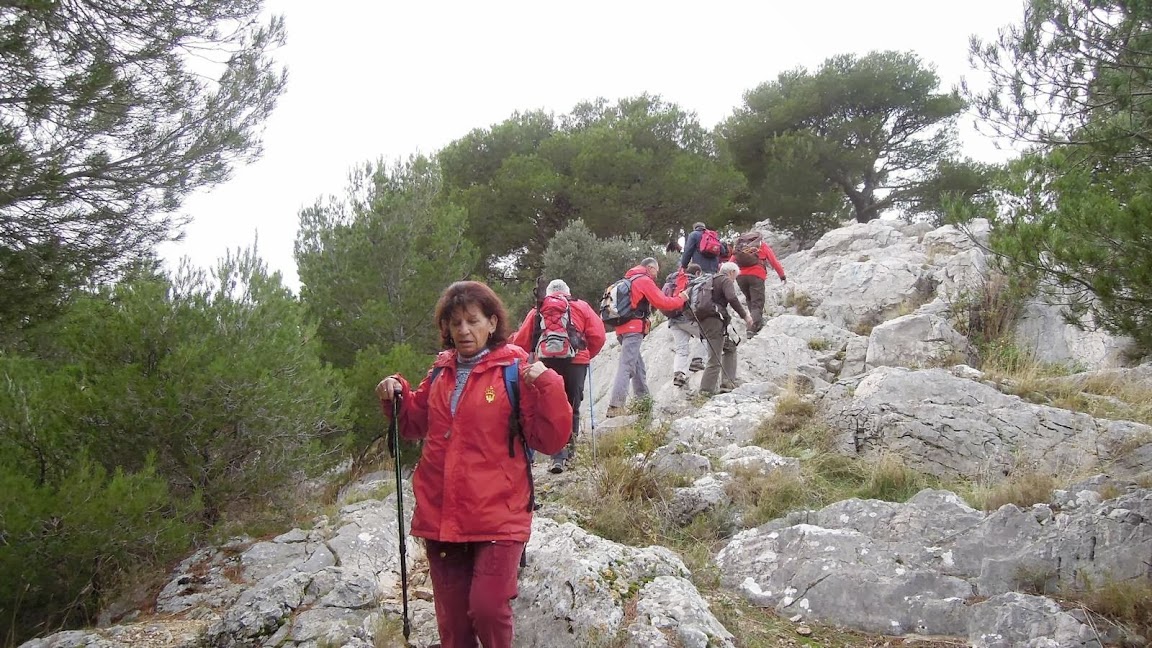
point(714, 319)
point(692, 251)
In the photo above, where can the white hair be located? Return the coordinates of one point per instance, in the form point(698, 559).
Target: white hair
point(558, 286)
point(728, 267)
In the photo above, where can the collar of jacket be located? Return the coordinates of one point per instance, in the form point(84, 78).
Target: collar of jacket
point(636, 271)
point(501, 356)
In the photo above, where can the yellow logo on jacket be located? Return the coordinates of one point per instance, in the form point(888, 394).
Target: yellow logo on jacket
point(490, 394)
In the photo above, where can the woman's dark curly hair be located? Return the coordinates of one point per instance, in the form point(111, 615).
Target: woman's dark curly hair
point(463, 294)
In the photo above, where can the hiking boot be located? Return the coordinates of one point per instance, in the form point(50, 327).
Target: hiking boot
point(557, 468)
point(614, 411)
point(727, 386)
point(707, 393)
point(697, 364)
point(680, 379)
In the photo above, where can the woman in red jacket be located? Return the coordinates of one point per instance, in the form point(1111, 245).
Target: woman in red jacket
point(573, 370)
point(471, 484)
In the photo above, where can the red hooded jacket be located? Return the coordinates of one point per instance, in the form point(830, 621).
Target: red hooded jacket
point(644, 288)
point(586, 320)
point(467, 488)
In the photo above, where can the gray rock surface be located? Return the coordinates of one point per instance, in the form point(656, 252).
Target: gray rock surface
point(951, 427)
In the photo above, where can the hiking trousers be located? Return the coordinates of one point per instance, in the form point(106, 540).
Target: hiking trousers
point(473, 584)
point(631, 371)
point(713, 331)
point(574, 376)
point(753, 289)
point(683, 332)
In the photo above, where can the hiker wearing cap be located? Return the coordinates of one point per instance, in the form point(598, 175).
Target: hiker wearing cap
point(753, 255)
point(714, 318)
point(584, 331)
point(643, 295)
point(697, 249)
point(472, 484)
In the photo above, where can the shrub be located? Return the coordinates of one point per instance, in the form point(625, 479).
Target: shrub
point(68, 546)
point(589, 264)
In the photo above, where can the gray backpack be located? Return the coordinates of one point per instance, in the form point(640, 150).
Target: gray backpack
point(700, 295)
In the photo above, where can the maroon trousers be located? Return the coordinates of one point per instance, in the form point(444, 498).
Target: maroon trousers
point(473, 584)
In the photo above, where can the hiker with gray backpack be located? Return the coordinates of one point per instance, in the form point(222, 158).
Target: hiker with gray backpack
point(709, 297)
point(565, 334)
point(477, 411)
point(627, 305)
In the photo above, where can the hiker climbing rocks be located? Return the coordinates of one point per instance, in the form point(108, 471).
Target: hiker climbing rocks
point(712, 313)
point(627, 305)
point(565, 334)
point(703, 247)
point(473, 485)
point(685, 330)
point(753, 255)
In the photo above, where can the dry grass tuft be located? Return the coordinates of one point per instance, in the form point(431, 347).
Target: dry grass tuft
point(1022, 489)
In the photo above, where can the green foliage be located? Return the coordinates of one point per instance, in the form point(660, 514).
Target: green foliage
point(1072, 80)
point(65, 546)
point(373, 265)
point(361, 379)
point(1080, 235)
point(219, 377)
point(954, 182)
point(588, 263)
point(107, 124)
point(641, 166)
point(861, 135)
point(1072, 72)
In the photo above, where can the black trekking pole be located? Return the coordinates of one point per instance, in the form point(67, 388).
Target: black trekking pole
point(394, 448)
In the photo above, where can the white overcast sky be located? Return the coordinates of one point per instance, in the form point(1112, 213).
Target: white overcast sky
point(382, 78)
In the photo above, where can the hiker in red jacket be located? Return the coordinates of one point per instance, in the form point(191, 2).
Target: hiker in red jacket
point(752, 278)
point(645, 295)
point(472, 483)
point(586, 324)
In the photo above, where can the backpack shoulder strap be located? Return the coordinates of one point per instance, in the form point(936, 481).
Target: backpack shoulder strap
point(515, 429)
point(512, 385)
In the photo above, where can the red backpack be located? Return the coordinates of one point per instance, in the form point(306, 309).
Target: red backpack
point(558, 335)
point(710, 243)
